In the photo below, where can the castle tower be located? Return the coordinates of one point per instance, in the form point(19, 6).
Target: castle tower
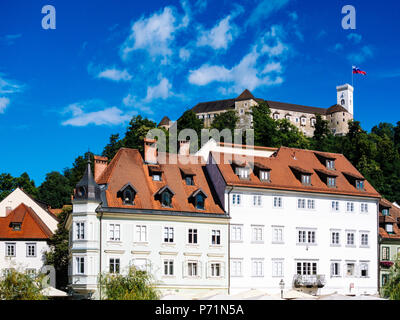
point(345, 97)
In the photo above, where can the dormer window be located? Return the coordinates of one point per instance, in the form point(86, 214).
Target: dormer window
point(187, 175)
point(360, 184)
point(16, 226)
point(156, 177)
point(264, 175)
point(385, 212)
point(243, 173)
point(330, 164)
point(198, 199)
point(127, 193)
point(155, 172)
point(389, 228)
point(165, 195)
point(306, 179)
point(331, 182)
point(189, 180)
point(166, 199)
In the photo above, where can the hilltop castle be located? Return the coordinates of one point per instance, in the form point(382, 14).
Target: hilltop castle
point(303, 117)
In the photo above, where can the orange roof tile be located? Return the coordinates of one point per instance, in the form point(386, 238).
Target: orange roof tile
point(32, 227)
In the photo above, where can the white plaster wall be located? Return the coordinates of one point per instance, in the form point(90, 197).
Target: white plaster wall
point(323, 219)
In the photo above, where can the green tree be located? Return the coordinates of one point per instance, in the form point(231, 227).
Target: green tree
point(75, 174)
point(55, 190)
point(225, 120)
point(265, 128)
point(391, 289)
point(58, 255)
point(8, 184)
point(136, 285)
point(136, 132)
point(112, 147)
point(288, 135)
point(16, 285)
point(323, 136)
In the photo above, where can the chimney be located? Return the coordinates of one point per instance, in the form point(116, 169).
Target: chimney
point(184, 147)
point(100, 164)
point(150, 151)
point(8, 211)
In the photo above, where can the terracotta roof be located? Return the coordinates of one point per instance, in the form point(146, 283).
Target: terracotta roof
point(164, 121)
point(393, 218)
point(32, 227)
point(329, 173)
point(283, 178)
point(353, 175)
point(295, 107)
point(336, 108)
point(245, 95)
point(128, 167)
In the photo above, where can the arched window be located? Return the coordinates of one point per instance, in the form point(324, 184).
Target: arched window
point(166, 199)
point(200, 201)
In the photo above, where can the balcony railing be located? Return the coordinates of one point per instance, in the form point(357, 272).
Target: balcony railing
point(309, 281)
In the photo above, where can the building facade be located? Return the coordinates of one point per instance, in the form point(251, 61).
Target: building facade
point(25, 228)
point(303, 117)
point(389, 238)
point(305, 217)
point(160, 216)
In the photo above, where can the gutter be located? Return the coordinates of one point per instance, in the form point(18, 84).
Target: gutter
point(229, 243)
point(101, 249)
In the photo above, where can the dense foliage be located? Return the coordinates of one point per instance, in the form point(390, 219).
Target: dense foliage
point(136, 285)
point(391, 289)
point(15, 285)
point(58, 255)
point(375, 154)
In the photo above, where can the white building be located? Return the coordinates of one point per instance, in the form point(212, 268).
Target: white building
point(25, 228)
point(305, 217)
point(141, 212)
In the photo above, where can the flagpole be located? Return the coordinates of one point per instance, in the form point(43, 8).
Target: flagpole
point(352, 77)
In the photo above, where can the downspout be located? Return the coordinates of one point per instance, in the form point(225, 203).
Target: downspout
point(229, 242)
point(101, 249)
point(379, 252)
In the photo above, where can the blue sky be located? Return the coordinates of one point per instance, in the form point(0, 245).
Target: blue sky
point(64, 91)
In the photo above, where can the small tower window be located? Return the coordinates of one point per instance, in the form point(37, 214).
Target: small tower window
point(343, 102)
point(243, 173)
point(199, 201)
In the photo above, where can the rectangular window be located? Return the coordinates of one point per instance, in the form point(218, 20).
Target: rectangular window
point(350, 267)
point(277, 268)
point(364, 239)
point(350, 206)
point(244, 173)
point(335, 269)
point(215, 269)
point(385, 253)
point(385, 212)
point(114, 232)
point(114, 265)
point(236, 199)
point(192, 236)
point(192, 269)
point(335, 205)
point(236, 268)
point(80, 230)
point(330, 164)
point(10, 249)
point(141, 233)
point(257, 268)
point(311, 204)
point(389, 228)
point(306, 236)
point(215, 237)
point(236, 233)
point(156, 177)
point(335, 238)
point(360, 184)
point(306, 268)
point(264, 175)
point(301, 203)
point(168, 267)
point(277, 202)
point(364, 207)
point(80, 265)
point(277, 235)
point(257, 201)
point(169, 234)
point(257, 233)
point(306, 179)
point(350, 239)
point(31, 249)
point(364, 270)
point(331, 182)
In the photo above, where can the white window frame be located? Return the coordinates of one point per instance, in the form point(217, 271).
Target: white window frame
point(347, 263)
point(114, 232)
point(192, 236)
point(214, 267)
point(335, 242)
point(237, 199)
point(235, 230)
point(362, 239)
point(348, 232)
point(79, 263)
point(335, 206)
point(278, 266)
point(277, 202)
point(236, 267)
point(217, 234)
point(197, 269)
point(276, 230)
point(169, 234)
point(364, 207)
point(301, 203)
point(141, 233)
point(364, 264)
point(257, 267)
point(257, 200)
point(30, 245)
point(167, 263)
point(349, 205)
point(335, 269)
point(10, 245)
point(257, 233)
point(307, 236)
point(114, 262)
point(80, 230)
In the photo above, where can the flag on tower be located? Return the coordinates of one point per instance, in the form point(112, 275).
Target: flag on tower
point(357, 70)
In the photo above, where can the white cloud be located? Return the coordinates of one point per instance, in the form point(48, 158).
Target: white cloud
point(108, 116)
point(264, 9)
point(184, 54)
point(154, 34)
point(355, 37)
point(4, 102)
point(8, 86)
point(131, 101)
point(115, 75)
point(9, 39)
point(259, 67)
point(220, 36)
point(359, 57)
point(162, 90)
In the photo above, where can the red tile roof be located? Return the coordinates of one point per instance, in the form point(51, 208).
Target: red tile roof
point(283, 178)
point(394, 215)
point(128, 167)
point(32, 227)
